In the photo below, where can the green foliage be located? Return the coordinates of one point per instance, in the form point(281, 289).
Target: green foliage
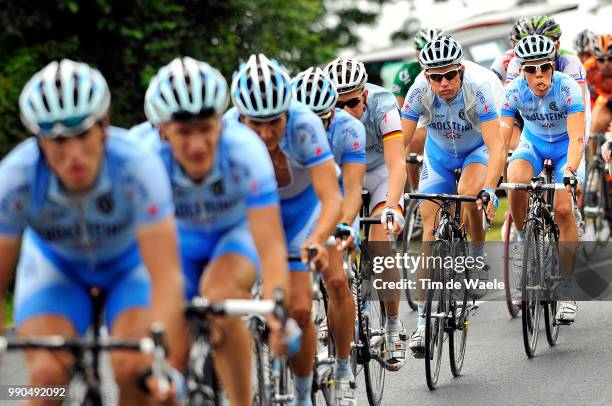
point(128, 40)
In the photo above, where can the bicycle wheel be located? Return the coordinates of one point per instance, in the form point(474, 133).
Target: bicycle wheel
point(531, 284)
point(508, 282)
point(412, 217)
point(202, 383)
point(594, 207)
point(374, 370)
point(435, 320)
point(459, 318)
point(553, 273)
point(259, 371)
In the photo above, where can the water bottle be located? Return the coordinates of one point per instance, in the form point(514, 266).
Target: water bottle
point(293, 336)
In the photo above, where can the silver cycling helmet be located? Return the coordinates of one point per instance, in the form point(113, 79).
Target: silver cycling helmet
point(426, 35)
point(534, 47)
point(184, 89)
point(347, 74)
point(64, 99)
point(443, 51)
point(317, 91)
point(261, 89)
point(583, 41)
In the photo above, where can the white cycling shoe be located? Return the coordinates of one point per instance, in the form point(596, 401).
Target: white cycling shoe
point(566, 312)
point(417, 342)
point(344, 392)
point(396, 348)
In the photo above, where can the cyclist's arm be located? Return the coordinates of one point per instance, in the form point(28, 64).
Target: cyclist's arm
point(408, 129)
point(509, 108)
point(497, 151)
point(158, 245)
point(352, 180)
point(9, 247)
point(395, 156)
point(326, 187)
point(267, 230)
point(575, 129)
point(506, 130)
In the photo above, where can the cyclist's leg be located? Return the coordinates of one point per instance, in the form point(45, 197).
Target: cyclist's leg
point(47, 302)
point(415, 146)
point(231, 273)
point(524, 163)
point(341, 306)
point(601, 115)
point(472, 179)
point(297, 229)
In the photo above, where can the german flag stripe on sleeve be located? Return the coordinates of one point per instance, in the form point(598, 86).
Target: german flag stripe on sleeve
point(392, 134)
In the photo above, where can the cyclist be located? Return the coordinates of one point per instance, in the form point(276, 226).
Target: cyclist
point(403, 80)
point(97, 212)
point(346, 136)
point(385, 178)
point(308, 186)
point(552, 107)
point(456, 100)
point(583, 45)
point(500, 64)
point(599, 75)
point(227, 205)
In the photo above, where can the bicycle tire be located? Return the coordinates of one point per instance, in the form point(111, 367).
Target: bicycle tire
point(508, 284)
point(458, 323)
point(434, 326)
point(550, 306)
point(531, 281)
point(373, 370)
point(260, 355)
point(209, 380)
point(412, 211)
point(595, 199)
point(93, 397)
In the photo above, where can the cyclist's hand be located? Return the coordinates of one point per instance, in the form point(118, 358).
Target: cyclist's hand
point(605, 151)
point(321, 259)
point(345, 237)
point(275, 337)
point(157, 392)
point(398, 220)
point(569, 180)
point(493, 202)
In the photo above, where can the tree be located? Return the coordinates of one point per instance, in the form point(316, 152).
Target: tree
point(128, 40)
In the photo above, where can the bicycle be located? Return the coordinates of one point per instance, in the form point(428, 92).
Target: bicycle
point(596, 207)
point(203, 387)
point(541, 273)
point(412, 231)
point(84, 387)
point(508, 236)
point(447, 311)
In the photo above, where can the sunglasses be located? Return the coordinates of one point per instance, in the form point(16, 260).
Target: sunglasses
point(67, 127)
point(604, 58)
point(543, 67)
point(448, 75)
point(349, 103)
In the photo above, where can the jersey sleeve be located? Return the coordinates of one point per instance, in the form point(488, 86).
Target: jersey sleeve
point(514, 70)
point(13, 198)
point(573, 68)
point(390, 125)
point(499, 66)
point(571, 96)
point(354, 137)
point(262, 187)
point(313, 146)
point(510, 100)
point(413, 108)
point(149, 188)
point(486, 105)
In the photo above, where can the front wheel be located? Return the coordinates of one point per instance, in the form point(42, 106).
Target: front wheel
point(509, 237)
point(435, 323)
point(411, 231)
point(553, 273)
point(531, 283)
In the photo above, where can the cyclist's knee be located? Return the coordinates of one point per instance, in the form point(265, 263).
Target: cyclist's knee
point(300, 307)
point(337, 285)
point(46, 370)
point(564, 214)
point(127, 368)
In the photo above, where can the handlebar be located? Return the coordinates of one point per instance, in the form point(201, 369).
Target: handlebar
point(486, 223)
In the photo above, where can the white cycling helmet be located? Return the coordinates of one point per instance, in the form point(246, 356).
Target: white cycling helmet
point(441, 52)
point(313, 88)
point(534, 47)
point(64, 99)
point(347, 74)
point(261, 89)
point(583, 41)
point(185, 89)
point(426, 35)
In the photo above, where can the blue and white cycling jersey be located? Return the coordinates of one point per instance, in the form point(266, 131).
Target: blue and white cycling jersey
point(378, 126)
point(545, 117)
point(97, 230)
point(145, 134)
point(212, 214)
point(74, 242)
point(347, 139)
point(114, 130)
point(305, 146)
point(450, 128)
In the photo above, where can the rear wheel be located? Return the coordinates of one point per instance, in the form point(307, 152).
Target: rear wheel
point(594, 206)
point(509, 284)
point(531, 289)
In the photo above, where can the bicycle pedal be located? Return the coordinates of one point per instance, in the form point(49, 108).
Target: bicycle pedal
point(403, 336)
